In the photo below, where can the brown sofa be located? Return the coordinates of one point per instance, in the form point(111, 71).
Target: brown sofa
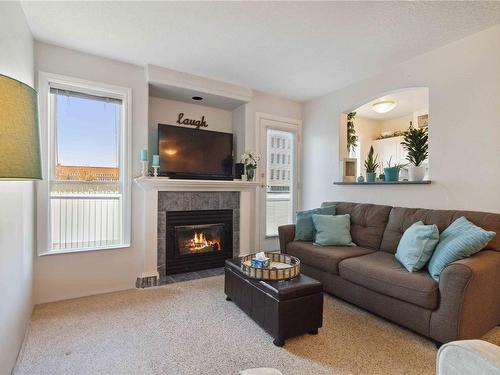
point(465, 304)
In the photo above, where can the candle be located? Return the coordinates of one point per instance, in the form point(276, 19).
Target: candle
point(156, 160)
point(143, 155)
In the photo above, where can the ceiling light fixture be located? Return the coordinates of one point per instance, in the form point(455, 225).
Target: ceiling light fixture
point(197, 98)
point(384, 106)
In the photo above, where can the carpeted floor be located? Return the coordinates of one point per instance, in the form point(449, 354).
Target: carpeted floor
point(189, 328)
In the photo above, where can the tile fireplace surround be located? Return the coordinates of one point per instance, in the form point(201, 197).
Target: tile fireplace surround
point(162, 194)
point(192, 201)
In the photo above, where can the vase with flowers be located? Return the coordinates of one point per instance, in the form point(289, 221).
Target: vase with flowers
point(250, 160)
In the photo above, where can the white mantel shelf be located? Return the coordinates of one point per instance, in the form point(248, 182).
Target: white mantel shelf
point(165, 183)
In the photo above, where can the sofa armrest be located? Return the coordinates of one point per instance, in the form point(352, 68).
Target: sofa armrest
point(286, 235)
point(469, 298)
point(468, 357)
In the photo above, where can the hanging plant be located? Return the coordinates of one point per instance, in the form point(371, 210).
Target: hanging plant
point(352, 138)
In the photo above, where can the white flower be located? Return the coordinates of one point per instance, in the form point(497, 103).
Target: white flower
point(250, 159)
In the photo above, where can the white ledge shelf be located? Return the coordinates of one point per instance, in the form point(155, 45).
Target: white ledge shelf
point(159, 183)
point(426, 182)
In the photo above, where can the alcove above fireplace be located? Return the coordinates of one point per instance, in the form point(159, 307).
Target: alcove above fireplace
point(198, 239)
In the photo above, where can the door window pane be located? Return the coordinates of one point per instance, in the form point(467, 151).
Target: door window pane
point(279, 203)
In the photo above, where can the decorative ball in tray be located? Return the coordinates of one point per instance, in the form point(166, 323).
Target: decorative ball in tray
point(281, 267)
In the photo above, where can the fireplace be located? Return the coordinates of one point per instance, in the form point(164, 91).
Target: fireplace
point(198, 239)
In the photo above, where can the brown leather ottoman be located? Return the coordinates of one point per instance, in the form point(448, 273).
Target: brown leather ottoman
point(283, 308)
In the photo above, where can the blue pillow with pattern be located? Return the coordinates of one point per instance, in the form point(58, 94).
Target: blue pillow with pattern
point(460, 240)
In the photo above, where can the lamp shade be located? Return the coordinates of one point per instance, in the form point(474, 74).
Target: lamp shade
point(19, 135)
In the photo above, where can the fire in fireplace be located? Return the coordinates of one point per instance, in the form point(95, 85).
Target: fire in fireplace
point(195, 239)
point(198, 240)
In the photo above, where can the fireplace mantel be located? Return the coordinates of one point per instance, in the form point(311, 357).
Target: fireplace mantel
point(169, 184)
point(149, 188)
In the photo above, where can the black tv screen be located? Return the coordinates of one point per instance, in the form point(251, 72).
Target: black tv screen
point(194, 153)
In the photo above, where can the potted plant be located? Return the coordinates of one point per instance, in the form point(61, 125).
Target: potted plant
point(391, 172)
point(415, 141)
point(371, 166)
point(352, 138)
point(250, 160)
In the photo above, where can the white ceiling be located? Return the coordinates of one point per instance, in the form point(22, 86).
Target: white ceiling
point(297, 50)
point(408, 101)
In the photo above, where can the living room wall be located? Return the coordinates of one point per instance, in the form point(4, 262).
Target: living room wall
point(71, 275)
point(17, 203)
point(62, 276)
point(464, 103)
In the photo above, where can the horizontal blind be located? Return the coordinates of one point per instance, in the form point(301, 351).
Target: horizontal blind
point(80, 95)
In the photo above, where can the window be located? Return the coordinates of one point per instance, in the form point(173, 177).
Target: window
point(272, 158)
point(277, 174)
point(277, 158)
point(288, 158)
point(272, 174)
point(272, 142)
point(288, 175)
point(87, 172)
point(278, 142)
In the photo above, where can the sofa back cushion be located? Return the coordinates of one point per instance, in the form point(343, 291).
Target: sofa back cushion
point(401, 218)
point(368, 221)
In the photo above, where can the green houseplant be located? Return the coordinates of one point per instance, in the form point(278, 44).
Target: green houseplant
point(391, 172)
point(371, 165)
point(415, 142)
point(352, 138)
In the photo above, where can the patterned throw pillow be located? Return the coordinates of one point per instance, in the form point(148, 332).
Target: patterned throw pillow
point(460, 240)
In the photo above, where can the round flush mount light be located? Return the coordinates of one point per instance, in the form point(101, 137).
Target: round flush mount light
point(197, 98)
point(384, 106)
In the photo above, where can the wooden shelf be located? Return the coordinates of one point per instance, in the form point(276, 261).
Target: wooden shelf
point(426, 182)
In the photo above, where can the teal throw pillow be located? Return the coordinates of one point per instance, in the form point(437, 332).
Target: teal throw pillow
point(304, 227)
point(332, 230)
point(460, 240)
point(417, 245)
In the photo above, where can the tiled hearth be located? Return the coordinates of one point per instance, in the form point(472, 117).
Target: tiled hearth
point(192, 201)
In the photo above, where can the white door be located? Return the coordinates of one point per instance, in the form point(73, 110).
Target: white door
point(279, 173)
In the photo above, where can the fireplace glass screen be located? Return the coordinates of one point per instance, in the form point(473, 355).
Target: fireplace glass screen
point(195, 239)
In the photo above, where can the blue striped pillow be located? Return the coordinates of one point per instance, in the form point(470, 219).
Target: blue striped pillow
point(460, 240)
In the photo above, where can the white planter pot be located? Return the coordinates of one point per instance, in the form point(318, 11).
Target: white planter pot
point(416, 173)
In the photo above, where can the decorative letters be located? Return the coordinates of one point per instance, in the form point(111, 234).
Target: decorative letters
point(196, 123)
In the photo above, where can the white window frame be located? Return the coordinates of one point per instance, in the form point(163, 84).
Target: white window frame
point(47, 139)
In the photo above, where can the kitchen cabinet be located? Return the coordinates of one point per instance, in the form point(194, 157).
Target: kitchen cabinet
point(390, 149)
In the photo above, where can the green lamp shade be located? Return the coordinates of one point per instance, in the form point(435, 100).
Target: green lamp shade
point(19, 138)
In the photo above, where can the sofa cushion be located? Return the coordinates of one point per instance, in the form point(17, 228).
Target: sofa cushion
point(416, 246)
point(368, 222)
point(324, 258)
point(304, 227)
point(401, 218)
point(460, 240)
point(332, 230)
point(382, 273)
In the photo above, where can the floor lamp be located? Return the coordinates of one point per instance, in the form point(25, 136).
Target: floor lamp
point(19, 133)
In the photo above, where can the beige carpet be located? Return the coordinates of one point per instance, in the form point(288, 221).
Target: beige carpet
point(189, 328)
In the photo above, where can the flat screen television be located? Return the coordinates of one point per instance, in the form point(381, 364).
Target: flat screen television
point(188, 153)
